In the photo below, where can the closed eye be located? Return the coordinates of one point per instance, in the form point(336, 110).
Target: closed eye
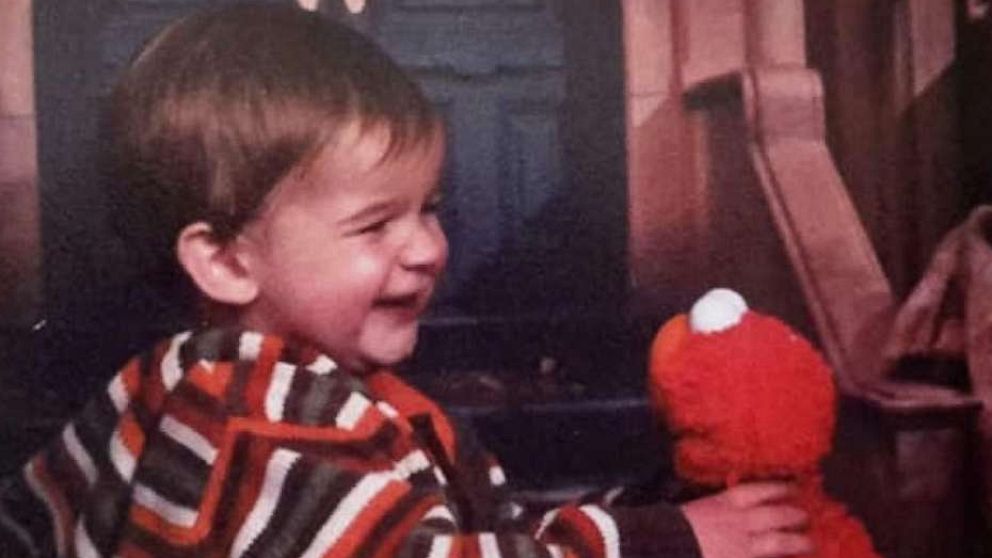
point(373, 227)
point(370, 219)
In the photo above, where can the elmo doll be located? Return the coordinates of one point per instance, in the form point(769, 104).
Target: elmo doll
point(748, 399)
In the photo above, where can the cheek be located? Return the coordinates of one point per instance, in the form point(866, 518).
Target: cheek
point(366, 266)
point(339, 278)
point(362, 275)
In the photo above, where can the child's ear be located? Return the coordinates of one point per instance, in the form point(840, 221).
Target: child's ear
point(217, 268)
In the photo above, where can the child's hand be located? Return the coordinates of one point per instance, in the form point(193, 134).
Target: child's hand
point(749, 521)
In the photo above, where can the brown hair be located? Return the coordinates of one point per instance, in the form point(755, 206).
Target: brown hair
point(221, 105)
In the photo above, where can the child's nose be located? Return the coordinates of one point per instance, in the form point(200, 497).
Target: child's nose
point(426, 249)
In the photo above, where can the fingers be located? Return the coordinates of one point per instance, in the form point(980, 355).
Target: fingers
point(754, 520)
point(776, 529)
point(776, 518)
point(756, 493)
point(775, 544)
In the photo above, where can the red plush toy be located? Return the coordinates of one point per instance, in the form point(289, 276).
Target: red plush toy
point(749, 399)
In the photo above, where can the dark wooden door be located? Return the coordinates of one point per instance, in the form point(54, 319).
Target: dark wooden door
point(527, 235)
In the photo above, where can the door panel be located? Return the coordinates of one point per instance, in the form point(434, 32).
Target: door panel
point(498, 69)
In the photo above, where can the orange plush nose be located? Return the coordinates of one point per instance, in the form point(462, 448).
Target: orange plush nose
point(667, 343)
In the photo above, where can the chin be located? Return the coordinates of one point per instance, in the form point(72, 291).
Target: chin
point(393, 350)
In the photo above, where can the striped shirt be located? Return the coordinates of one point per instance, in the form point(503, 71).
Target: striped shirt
point(235, 444)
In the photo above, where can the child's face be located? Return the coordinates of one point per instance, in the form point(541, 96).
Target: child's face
point(347, 252)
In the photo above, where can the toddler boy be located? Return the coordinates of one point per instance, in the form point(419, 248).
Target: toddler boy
point(292, 170)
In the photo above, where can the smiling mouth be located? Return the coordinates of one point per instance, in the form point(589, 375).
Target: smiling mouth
point(409, 305)
point(403, 301)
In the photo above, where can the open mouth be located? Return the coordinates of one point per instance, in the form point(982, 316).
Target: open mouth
point(402, 301)
point(407, 306)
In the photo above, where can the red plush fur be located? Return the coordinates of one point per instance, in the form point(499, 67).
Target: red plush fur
point(753, 402)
